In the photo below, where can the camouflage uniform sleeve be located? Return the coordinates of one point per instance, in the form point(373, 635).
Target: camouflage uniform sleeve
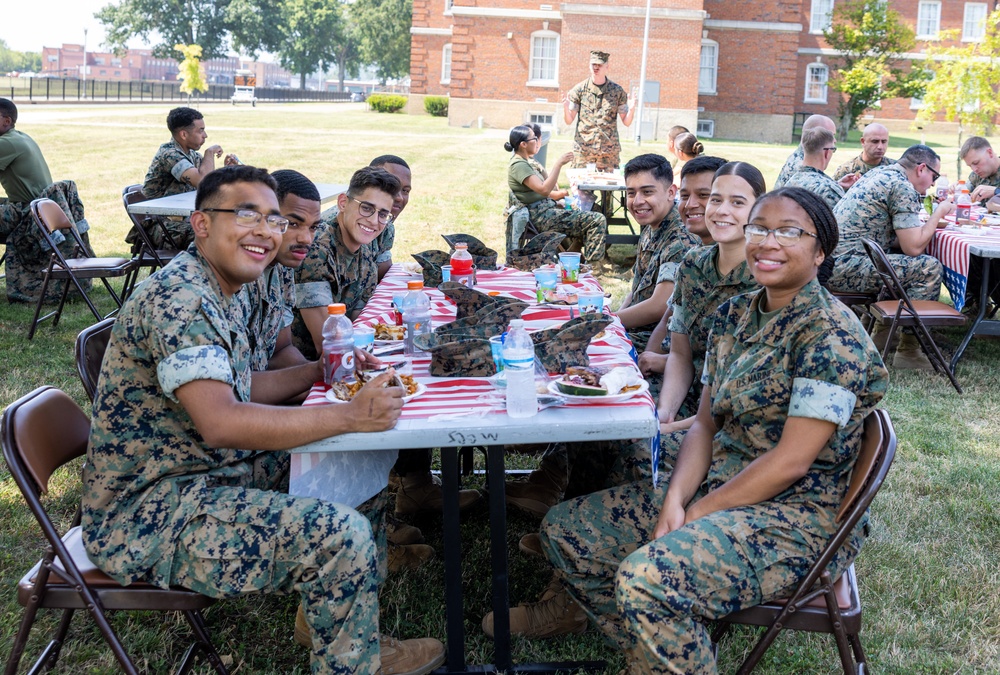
point(312, 279)
point(719, 328)
point(680, 319)
point(180, 165)
point(622, 100)
point(904, 206)
point(843, 170)
point(287, 296)
point(575, 95)
point(667, 272)
point(187, 346)
point(384, 244)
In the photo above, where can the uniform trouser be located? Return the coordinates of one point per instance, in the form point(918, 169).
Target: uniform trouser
point(920, 275)
point(593, 465)
point(413, 461)
point(653, 600)
point(589, 226)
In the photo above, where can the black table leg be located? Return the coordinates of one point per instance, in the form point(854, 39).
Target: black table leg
point(452, 561)
point(495, 477)
point(984, 296)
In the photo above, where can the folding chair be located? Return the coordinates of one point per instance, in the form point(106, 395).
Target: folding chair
point(91, 344)
point(899, 311)
point(41, 432)
point(820, 604)
point(49, 217)
point(147, 254)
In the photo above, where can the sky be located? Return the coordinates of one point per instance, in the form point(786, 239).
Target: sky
point(29, 25)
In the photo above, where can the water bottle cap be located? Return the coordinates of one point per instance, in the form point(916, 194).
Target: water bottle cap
point(517, 323)
point(414, 285)
point(336, 308)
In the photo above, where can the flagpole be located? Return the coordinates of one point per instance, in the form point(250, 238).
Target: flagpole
point(642, 75)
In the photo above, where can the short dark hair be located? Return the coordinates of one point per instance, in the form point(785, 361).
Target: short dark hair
point(747, 172)
point(373, 177)
point(518, 135)
point(701, 164)
point(227, 175)
point(658, 165)
point(821, 215)
point(918, 154)
point(8, 109)
point(182, 118)
point(816, 139)
point(537, 128)
point(291, 182)
point(382, 160)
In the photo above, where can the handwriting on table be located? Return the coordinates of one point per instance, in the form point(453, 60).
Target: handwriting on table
point(469, 438)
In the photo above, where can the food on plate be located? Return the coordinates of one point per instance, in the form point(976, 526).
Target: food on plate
point(595, 381)
point(617, 379)
point(386, 332)
point(561, 296)
point(345, 391)
point(412, 267)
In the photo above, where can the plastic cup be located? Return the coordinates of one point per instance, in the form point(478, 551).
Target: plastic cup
point(445, 273)
point(591, 167)
point(496, 349)
point(570, 263)
point(590, 301)
point(545, 280)
point(364, 338)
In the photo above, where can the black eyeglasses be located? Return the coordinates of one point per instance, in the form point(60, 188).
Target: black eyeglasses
point(368, 210)
point(529, 140)
point(785, 236)
point(933, 172)
point(833, 149)
point(249, 218)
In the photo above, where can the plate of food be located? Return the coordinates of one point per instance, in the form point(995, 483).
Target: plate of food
point(388, 333)
point(593, 385)
point(343, 392)
point(412, 268)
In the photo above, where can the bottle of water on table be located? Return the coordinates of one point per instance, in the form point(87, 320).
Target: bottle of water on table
point(416, 315)
point(519, 366)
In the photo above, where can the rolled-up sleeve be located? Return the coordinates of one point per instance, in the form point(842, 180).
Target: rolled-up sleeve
point(816, 399)
point(313, 294)
point(203, 362)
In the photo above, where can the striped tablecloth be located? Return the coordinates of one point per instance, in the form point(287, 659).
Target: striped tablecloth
point(953, 247)
point(467, 406)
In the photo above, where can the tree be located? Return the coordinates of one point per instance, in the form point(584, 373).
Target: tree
point(13, 60)
point(201, 22)
point(965, 81)
point(871, 40)
point(384, 35)
point(189, 71)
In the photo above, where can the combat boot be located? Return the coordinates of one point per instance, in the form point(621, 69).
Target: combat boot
point(543, 490)
point(422, 492)
point(399, 533)
point(408, 557)
point(555, 614)
point(909, 355)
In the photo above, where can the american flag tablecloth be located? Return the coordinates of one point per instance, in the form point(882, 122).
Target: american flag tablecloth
point(951, 246)
point(449, 403)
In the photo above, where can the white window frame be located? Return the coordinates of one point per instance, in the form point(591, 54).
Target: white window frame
point(705, 129)
point(810, 82)
point(446, 64)
point(448, 4)
point(934, 7)
point(971, 32)
point(713, 68)
point(541, 118)
point(552, 81)
point(820, 18)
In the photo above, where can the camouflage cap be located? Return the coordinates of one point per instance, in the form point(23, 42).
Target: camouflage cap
point(483, 257)
point(469, 301)
point(541, 250)
point(566, 345)
point(458, 356)
point(599, 56)
point(487, 322)
point(431, 262)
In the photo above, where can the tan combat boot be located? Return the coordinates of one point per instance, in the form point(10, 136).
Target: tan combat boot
point(408, 557)
point(909, 355)
point(543, 490)
point(422, 492)
point(555, 614)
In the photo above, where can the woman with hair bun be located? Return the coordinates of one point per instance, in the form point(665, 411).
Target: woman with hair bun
point(686, 147)
point(536, 193)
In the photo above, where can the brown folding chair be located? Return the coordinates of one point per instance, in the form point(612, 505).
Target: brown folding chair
point(91, 344)
point(147, 254)
point(819, 604)
point(41, 432)
point(48, 218)
point(899, 311)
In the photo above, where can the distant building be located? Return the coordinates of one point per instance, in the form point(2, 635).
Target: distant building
point(737, 70)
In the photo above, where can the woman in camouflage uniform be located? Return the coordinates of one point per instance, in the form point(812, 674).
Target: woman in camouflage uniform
point(535, 193)
point(790, 376)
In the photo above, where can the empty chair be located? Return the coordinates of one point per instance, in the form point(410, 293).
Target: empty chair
point(91, 344)
point(146, 252)
point(48, 217)
point(41, 432)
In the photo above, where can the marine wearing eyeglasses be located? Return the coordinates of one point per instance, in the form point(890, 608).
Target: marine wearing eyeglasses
point(341, 264)
point(818, 146)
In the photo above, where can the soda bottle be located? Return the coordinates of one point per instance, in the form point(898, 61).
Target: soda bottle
point(416, 316)
point(519, 366)
point(338, 345)
point(941, 188)
point(963, 205)
point(461, 265)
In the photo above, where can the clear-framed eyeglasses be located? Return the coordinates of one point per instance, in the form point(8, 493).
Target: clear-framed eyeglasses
point(787, 235)
point(249, 218)
point(368, 210)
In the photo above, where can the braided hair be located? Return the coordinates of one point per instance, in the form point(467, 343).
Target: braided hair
point(821, 215)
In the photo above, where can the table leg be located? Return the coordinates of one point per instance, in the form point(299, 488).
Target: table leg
point(495, 478)
point(978, 327)
point(452, 561)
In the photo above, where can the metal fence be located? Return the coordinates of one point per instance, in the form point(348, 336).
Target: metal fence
point(68, 89)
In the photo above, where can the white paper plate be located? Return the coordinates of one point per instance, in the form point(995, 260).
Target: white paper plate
point(616, 398)
point(421, 388)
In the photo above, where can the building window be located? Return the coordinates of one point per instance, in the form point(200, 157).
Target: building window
point(446, 65)
point(705, 129)
point(709, 70)
point(816, 76)
point(448, 4)
point(821, 16)
point(544, 59)
point(974, 24)
point(539, 118)
point(928, 20)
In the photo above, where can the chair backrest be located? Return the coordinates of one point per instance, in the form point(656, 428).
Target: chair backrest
point(51, 215)
point(41, 431)
point(91, 344)
point(890, 280)
point(878, 447)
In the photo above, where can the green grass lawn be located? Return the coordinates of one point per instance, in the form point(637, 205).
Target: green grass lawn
point(928, 573)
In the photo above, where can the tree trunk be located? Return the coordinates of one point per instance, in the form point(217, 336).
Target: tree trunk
point(958, 160)
point(846, 122)
point(302, 80)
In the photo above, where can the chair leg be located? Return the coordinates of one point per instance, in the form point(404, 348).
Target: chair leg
point(21, 639)
point(41, 299)
point(933, 352)
point(204, 641)
point(837, 623)
point(97, 613)
point(62, 303)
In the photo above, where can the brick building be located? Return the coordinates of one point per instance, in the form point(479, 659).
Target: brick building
point(738, 70)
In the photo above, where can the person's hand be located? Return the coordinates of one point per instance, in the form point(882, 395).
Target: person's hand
point(847, 181)
point(633, 97)
point(377, 406)
point(366, 360)
point(983, 192)
point(564, 97)
point(652, 363)
point(566, 159)
point(215, 150)
point(232, 160)
point(942, 210)
point(671, 425)
point(671, 518)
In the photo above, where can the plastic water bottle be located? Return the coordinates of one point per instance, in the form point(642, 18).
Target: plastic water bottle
point(338, 345)
point(416, 316)
point(941, 188)
point(519, 366)
point(963, 205)
point(461, 265)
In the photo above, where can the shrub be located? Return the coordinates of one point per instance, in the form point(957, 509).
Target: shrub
point(387, 103)
point(436, 105)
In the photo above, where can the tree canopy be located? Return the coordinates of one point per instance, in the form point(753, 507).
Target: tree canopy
point(871, 39)
point(190, 72)
point(383, 29)
point(11, 60)
point(201, 22)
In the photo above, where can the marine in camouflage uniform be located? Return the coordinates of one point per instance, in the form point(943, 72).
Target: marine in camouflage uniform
point(814, 180)
point(880, 203)
point(382, 246)
point(810, 359)
point(975, 180)
point(791, 165)
point(331, 273)
point(858, 165)
point(162, 506)
point(269, 305)
point(595, 138)
point(164, 179)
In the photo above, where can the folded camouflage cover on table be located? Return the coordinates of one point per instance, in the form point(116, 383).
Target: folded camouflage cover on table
point(485, 323)
point(566, 345)
point(468, 301)
point(543, 249)
point(457, 355)
point(483, 257)
point(431, 262)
